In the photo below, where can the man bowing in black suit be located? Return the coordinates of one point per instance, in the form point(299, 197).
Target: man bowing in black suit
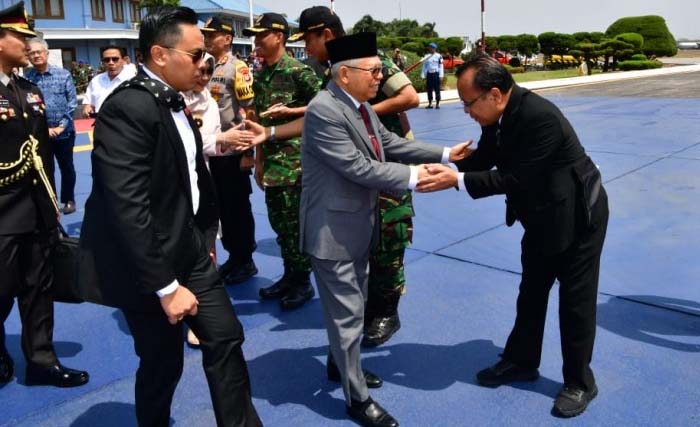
point(142, 243)
point(529, 152)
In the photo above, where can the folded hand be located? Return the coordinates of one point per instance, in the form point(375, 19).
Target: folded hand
point(435, 177)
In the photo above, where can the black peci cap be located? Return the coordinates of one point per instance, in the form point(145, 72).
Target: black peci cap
point(313, 19)
point(268, 22)
point(355, 46)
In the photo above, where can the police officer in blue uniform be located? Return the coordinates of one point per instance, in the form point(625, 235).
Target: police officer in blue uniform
point(28, 212)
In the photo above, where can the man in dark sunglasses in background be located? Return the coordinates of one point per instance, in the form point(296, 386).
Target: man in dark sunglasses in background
point(104, 83)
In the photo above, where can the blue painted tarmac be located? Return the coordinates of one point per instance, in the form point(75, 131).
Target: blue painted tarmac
point(462, 273)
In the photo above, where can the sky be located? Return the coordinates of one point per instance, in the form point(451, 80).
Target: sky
point(463, 17)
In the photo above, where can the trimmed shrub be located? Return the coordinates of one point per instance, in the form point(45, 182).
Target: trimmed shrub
point(635, 39)
point(414, 47)
point(639, 57)
point(658, 40)
point(414, 75)
point(514, 70)
point(639, 65)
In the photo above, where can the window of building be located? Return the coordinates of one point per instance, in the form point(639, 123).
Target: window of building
point(98, 10)
point(47, 9)
point(117, 11)
point(135, 11)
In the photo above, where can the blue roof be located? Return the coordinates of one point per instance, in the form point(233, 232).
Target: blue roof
point(236, 5)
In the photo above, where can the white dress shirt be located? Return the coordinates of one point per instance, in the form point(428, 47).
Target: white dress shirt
point(190, 146)
point(413, 180)
point(101, 86)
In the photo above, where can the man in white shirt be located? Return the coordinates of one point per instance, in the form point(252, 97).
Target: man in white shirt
point(104, 83)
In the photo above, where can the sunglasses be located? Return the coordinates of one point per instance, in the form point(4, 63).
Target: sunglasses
point(196, 56)
point(109, 59)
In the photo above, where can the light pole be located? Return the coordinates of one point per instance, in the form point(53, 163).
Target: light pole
point(483, 25)
point(333, 6)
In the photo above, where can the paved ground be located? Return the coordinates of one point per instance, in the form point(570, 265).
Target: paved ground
point(462, 273)
point(672, 86)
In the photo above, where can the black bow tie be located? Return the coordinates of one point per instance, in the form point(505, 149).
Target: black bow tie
point(163, 93)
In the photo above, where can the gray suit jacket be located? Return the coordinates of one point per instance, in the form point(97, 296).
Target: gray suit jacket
point(342, 175)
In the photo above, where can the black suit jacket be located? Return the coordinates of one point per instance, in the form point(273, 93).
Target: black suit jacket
point(138, 234)
point(530, 157)
point(25, 204)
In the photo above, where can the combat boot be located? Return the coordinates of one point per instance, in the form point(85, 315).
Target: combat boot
point(299, 292)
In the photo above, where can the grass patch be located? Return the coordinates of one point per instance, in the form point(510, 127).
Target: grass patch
point(529, 76)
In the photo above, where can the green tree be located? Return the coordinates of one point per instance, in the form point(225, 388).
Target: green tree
point(491, 44)
point(454, 45)
point(527, 45)
point(615, 49)
point(367, 23)
point(634, 39)
point(507, 43)
point(658, 40)
point(150, 4)
point(555, 44)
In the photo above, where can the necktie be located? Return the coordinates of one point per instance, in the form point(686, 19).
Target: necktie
point(368, 125)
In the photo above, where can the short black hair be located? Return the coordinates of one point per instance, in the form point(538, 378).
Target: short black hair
point(122, 51)
point(489, 72)
point(162, 27)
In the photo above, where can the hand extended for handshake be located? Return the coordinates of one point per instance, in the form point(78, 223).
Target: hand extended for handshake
point(436, 177)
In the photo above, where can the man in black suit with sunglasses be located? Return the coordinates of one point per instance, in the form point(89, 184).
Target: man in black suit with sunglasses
point(142, 243)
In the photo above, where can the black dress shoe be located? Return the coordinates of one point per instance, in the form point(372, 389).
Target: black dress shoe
point(241, 273)
point(380, 330)
point(572, 401)
point(429, 106)
point(370, 414)
point(296, 296)
point(277, 290)
point(69, 208)
point(225, 268)
point(56, 375)
point(437, 106)
point(372, 380)
point(505, 372)
point(7, 367)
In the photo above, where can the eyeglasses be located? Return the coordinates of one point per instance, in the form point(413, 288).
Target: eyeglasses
point(375, 71)
point(109, 59)
point(470, 104)
point(197, 55)
point(35, 52)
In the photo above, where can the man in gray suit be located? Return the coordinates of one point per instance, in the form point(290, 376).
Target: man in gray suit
point(344, 158)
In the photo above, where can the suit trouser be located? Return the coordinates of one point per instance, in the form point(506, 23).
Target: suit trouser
point(432, 84)
point(577, 269)
point(342, 286)
point(233, 191)
point(63, 153)
point(159, 346)
point(25, 272)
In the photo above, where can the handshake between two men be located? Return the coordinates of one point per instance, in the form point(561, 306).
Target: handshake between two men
point(431, 177)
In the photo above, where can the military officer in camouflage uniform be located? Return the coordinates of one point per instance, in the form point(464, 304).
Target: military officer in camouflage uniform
point(231, 86)
point(318, 25)
point(282, 89)
point(28, 212)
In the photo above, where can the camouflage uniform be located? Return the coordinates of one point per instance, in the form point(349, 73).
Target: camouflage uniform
point(386, 268)
point(294, 84)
